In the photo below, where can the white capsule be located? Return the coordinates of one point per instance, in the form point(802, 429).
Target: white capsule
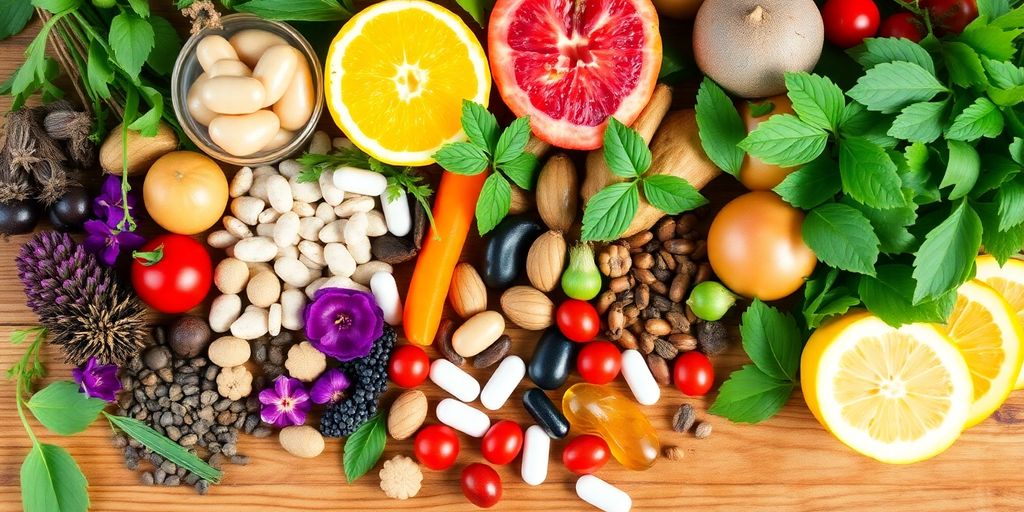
point(638, 376)
point(462, 417)
point(385, 293)
point(396, 214)
point(503, 382)
point(602, 495)
point(360, 181)
point(454, 380)
point(536, 445)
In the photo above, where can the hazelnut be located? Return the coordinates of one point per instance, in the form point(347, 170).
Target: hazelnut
point(305, 362)
point(234, 383)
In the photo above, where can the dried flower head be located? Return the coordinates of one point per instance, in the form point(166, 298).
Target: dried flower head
point(97, 380)
point(63, 122)
point(203, 15)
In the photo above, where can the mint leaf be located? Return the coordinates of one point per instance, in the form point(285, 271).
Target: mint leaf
point(877, 51)
point(772, 340)
point(495, 200)
point(364, 447)
point(964, 64)
point(625, 151)
point(810, 185)
point(522, 170)
point(131, 38)
point(296, 10)
point(480, 126)
point(992, 9)
point(1003, 74)
point(760, 109)
point(998, 170)
point(889, 295)
point(842, 237)
point(610, 211)
point(786, 141)
point(751, 396)
point(1011, 19)
point(946, 258)
point(1010, 201)
point(61, 408)
point(720, 127)
point(671, 194)
point(890, 226)
point(917, 178)
point(15, 17)
point(817, 100)
point(98, 71)
point(512, 141)
point(992, 42)
point(961, 170)
point(52, 480)
point(1002, 245)
point(166, 45)
point(141, 7)
point(891, 86)
point(920, 122)
point(149, 123)
point(868, 174)
point(462, 158)
point(981, 119)
point(858, 121)
point(826, 297)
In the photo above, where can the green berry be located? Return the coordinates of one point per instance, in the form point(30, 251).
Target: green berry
point(710, 301)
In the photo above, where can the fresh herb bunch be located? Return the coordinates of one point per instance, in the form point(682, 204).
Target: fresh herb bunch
point(491, 148)
point(611, 210)
point(289, 10)
point(898, 204)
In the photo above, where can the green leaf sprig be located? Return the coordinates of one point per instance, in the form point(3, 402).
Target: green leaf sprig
point(489, 147)
point(364, 447)
point(610, 211)
point(299, 10)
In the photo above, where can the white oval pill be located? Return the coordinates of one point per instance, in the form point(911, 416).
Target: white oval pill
point(276, 69)
point(244, 134)
point(360, 181)
point(462, 417)
point(233, 95)
point(194, 102)
point(228, 67)
point(213, 48)
point(639, 378)
point(536, 445)
point(602, 495)
point(250, 44)
point(503, 382)
point(396, 214)
point(385, 293)
point(454, 380)
point(296, 105)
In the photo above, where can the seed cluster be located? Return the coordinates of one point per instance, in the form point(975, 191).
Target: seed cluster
point(369, 377)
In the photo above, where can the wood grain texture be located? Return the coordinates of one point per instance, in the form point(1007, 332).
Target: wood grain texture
point(786, 463)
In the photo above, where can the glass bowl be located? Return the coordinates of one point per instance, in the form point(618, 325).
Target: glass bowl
point(187, 69)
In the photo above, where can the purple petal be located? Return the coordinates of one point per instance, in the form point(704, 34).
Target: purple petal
point(271, 414)
point(295, 416)
point(329, 386)
point(130, 240)
point(269, 396)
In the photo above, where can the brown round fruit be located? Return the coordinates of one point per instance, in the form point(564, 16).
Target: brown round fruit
point(747, 46)
point(189, 336)
point(755, 174)
point(756, 248)
point(678, 9)
point(185, 192)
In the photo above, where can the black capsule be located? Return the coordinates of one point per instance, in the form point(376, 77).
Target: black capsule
point(545, 413)
point(552, 359)
point(505, 255)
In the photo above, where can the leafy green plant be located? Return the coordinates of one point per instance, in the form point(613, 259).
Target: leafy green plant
point(489, 147)
point(298, 10)
point(364, 447)
point(610, 211)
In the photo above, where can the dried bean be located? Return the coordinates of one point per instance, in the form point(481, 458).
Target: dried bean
point(665, 229)
point(683, 342)
point(443, 342)
point(494, 353)
point(638, 240)
point(659, 368)
point(684, 418)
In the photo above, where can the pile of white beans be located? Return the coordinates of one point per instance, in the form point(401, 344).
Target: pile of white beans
point(286, 239)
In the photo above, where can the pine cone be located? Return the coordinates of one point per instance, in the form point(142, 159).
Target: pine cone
point(86, 310)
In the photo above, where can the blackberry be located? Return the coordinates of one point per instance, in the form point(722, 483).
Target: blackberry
point(369, 375)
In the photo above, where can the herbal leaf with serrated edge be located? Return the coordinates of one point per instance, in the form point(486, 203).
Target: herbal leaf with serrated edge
point(920, 122)
point(610, 212)
point(946, 257)
point(131, 39)
point(671, 194)
point(772, 340)
point(889, 296)
point(881, 50)
point(810, 185)
point(720, 127)
point(817, 100)
point(522, 171)
point(1010, 201)
point(786, 141)
point(495, 200)
point(751, 396)
point(963, 63)
point(868, 174)
point(841, 237)
point(890, 86)
point(625, 151)
point(480, 126)
point(512, 141)
point(462, 158)
point(981, 119)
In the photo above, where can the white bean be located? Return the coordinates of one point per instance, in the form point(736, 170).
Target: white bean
point(536, 447)
point(333, 232)
point(344, 282)
point(266, 230)
point(230, 275)
point(602, 495)
point(286, 230)
point(332, 194)
point(639, 378)
point(274, 318)
point(287, 252)
point(279, 194)
point(303, 209)
point(454, 380)
point(314, 286)
point(385, 293)
point(320, 144)
point(264, 170)
point(307, 191)
point(313, 251)
point(462, 417)
point(355, 238)
point(241, 182)
point(309, 228)
point(268, 216)
point(503, 382)
point(259, 185)
point(375, 224)
point(310, 264)
point(221, 239)
point(224, 310)
point(251, 325)
point(247, 209)
point(325, 212)
point(289, 168)
point(353, 205)
point(364, 273)
point(292, 304)
point(236, 227)
point(360, 181)
point(256, 249)
point(397, 214)
point(339, 260)
point(293, 272)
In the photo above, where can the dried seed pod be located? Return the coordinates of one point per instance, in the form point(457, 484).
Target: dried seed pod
point(658, 327)
point(684, 418)
point(670, 261)
point(703, 430)
point(631, 311)
point(643, 260)
point(674, 453)
point(556, 192)
point(660, 288)
point(661, 302)
point(712, 338)
point(665, 229)
point(604, 301)
point(646, 345)
point(494, 353)
point(686, 223)
point(443, 342)
point(703, 273)
point(680, 286)
point(644, 276)
point(616, 321)
point(679, 246)
point(619, 284)
point(643, 296)
point(662, 274)
point(683, 342)
point(665, 350)
point(614, 261)
point(627, 340)
point(659, 368)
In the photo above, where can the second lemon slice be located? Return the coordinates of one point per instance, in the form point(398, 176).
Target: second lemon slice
point(1008, 280)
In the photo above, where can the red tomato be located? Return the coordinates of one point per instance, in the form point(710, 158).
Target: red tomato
point(848, 22)
point(502, 442)
point(436, 447)
point(481, 485)
point(693, 374)
point(175, 274)
point(903, 24)
point(951, 16)
point(599, 362)
point(585, 454)
point(578, 320)
point(409, 366)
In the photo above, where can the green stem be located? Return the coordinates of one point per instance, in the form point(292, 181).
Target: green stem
point(21, 413)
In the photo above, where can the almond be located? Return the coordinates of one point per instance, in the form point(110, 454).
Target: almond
point(522, 201)
point(407, 414)
point(467, 293)
point(546, 261)
point(528, 307)
point(557, 187)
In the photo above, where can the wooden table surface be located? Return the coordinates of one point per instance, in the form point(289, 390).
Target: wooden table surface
point(786, 463)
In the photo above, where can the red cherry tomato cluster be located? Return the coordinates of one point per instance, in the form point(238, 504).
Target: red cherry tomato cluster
point(578, 320)
point(436, 447)
point(481, 485)
point(502, 442)
point(693, 374)
point(903, 24)
point(585, 454)
point(848, 22)
point(599, 362)
point(172, 273)
point(950, 16)
point(409, 366)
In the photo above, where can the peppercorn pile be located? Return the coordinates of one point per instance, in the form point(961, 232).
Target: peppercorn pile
point(369, 375)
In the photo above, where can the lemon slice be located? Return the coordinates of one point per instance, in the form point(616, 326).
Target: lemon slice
point(1008, 280)
point(896, 395)
point(396, 75)
point(987, 332)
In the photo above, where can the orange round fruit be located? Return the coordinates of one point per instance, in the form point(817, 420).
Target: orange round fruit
point(185, 192)
point(755, 174)
point(756, 248)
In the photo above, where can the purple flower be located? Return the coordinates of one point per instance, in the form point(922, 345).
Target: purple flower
point(330, 387)
point(98, 380)
point(108, 204)
point(343, 323)
point(287, 403)
point(107, 242)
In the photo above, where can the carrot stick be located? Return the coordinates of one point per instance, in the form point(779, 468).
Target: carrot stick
point(454, 209)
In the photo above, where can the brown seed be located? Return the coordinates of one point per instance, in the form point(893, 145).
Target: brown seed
point(639, 240)
point(659, 368)
point(679, 246)
point(662, 274)
point(631, 311)
point(660, 288)
point(643, 260)
point(616, 320)
point(665, 349)
point(680, 285)
point(494, 353)
point(660, 302)
point(665, 229)
point(644, 276)
point(443, 342)
point(674, 453)
point(646, 345)
point(627, 340)
point(670, 261)
point(604, 301)
point(643, 296)
point(658, 327)
point(685, 224)
point(614, 261)
point(684, 418)
point(683, 342)
point(703, 273)
point(700, 251)
point(619, 284)
point(703, 430)
point(690, 315)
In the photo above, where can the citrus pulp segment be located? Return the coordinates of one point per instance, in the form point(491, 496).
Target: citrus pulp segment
point(1008, 280)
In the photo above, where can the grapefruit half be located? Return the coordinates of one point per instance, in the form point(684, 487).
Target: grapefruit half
point(569, 64)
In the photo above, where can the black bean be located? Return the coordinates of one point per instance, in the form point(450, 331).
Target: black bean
point(545, 413)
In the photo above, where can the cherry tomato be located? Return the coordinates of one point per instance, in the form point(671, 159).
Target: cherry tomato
point(409, 366)
point(502, 442)
point(599, 362)
point(585, 454)
point(578, 320)
point(172, 273)
point(436, 447)
point(481, 485)
point(951, 16)
point(903, 24)
point(693, 374)
point(848, 22)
